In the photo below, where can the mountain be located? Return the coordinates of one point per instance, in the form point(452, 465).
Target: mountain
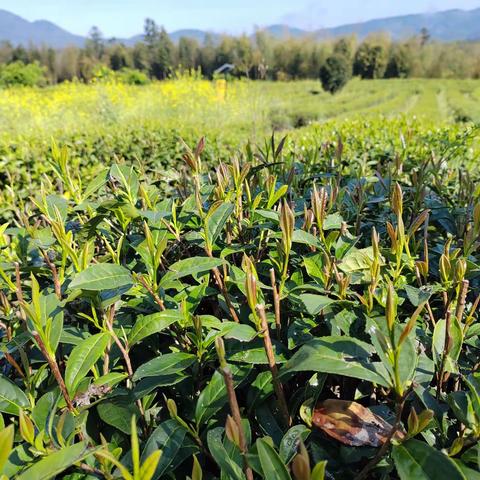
point(19, 31)
point(280, 31)
point(448, 25)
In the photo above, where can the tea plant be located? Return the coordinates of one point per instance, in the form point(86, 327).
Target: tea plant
point(285, 314)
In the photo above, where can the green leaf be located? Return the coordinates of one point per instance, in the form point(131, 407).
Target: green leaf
point(97, 182)
point(237, 331)
point(222, 456)
point(189, 266)
point(51, 309)
point(154, 323)
point(439, 344)
point(314, 264)
point(337, 355)
point(461, 404)
point(171, 438)
point(118, 412)
point(254, 352)
point(418, 460)
point(6, 444)
point(291, 441)
point(57, 462)
point(55, 204)
point(168, 364)
point(305, 238)
point(217, 220)
point(269, 421)
point(214, 395)
point(333, 222)
point(126, 175)
point(272, 465)
point(83, 358)
point(148, 384)
point(418, 295)
point(43, 408)
point(260, 389)
point(357, 260)
point(102, 276)
point(472, 456)
point(469, 473)
point(315, 303)
point(12, 398)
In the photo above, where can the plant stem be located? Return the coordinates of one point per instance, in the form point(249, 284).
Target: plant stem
point(53, 269)
point(446, 349)
point(155, 296)
point(221, 285)
point(52, 363)
point(276, 302)
point(462, 300)
point(126, 356)
point(235, 409)
point(278, 387)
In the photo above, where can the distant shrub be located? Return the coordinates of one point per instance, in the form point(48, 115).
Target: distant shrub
point(102, 73)
point(129, 76)
point(21, 74)
point(132, 76)
point(335, 73)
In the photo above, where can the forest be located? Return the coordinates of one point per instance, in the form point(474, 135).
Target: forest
point(259, 56)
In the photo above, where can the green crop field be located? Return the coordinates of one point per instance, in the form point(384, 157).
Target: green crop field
point(240, 280)
point(243, 107)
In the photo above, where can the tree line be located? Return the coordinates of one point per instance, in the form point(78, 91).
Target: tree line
point(259, 56)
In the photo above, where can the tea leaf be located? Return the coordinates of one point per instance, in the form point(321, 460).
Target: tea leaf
point(83, 358)
point(415, 459)
point(57, 462)
point(337, 355)
point(151, 324)
point(12, 398)
point(102, 276)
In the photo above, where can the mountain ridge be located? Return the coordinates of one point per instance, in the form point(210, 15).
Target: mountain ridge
point(447, 25)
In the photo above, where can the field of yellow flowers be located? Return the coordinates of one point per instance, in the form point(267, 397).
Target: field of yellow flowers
point(252, 108)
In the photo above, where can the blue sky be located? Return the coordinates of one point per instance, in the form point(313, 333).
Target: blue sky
point(125, 17)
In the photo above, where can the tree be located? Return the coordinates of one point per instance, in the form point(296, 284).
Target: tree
point(424, 36)
point(188, 53)
point(150, 32)
point(245, 55)
point(160, 50)
point(207, 56)
point(370, 60)
point(68, 64)
point(335, 73)
point(345, 47)
point(400, 62)
point(163, 61)
point(140, 57)
point(119, 57)
point(95, 44)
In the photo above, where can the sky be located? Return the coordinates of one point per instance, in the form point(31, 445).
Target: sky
point(124, 18)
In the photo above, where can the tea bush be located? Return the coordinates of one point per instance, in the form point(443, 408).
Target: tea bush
point(300, 310)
